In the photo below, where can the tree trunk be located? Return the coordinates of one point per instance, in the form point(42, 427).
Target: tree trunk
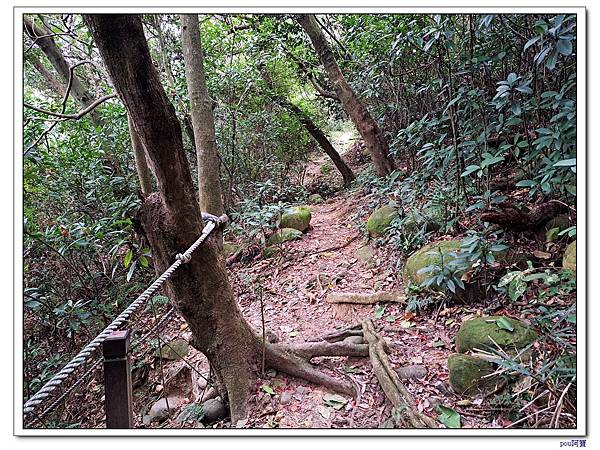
point(172, 221)
point(360, 116)
point(209, 187)
point(78, 91)
point(54, 85)
point(312, 128)
point(171, 218)
point(141, 164)
point(166, 66)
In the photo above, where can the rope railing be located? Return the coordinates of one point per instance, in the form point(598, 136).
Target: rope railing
point(38, 398)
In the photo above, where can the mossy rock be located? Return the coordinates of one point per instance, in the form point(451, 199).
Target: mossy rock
point(230, 248)
point(570, 257)
point(476, 333)
point(381, 219)
point(466, 375)
point(421, 258)
point(174, 350)
point(270, 251)
point(297, 217)
point(365, 254)
point(416, 219)
point(284, 235)
point(315, 199)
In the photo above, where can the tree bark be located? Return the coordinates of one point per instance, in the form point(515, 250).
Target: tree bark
point(54, 85)
point(141, 164)
point(312, 128)
point(78, 91)
point(171, 218)
point(209, 187)
point(360, 116)
point(172, 221)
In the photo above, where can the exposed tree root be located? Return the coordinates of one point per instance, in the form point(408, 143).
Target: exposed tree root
point(394, 390)
point(309, 350)
point(365, 299)
point(279, 359)
point(337, 247)
point(340, 335)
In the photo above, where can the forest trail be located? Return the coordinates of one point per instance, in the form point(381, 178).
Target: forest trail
point(295, 287)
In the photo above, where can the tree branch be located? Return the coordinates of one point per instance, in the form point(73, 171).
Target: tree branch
point(77, 116)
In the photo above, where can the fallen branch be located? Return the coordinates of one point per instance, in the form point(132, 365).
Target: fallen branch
point(365, 299)
point(510, 217)
point(392, 387)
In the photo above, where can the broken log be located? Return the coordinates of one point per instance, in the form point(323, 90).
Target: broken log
point(512, 218)
point(365, 298)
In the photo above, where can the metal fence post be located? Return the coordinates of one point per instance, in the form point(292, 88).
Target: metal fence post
point(117, 381)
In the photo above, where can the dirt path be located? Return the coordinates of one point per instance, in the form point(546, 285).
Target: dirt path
point(294, 290)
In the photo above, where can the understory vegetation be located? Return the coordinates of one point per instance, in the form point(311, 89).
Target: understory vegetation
point(479, 115)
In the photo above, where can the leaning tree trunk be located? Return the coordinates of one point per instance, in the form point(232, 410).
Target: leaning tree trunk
point(360, 116)
point(172, 221)
point(209, 187)
point(46, 43)
point(312, 129)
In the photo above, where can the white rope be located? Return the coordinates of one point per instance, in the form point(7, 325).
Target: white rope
point(92, 346)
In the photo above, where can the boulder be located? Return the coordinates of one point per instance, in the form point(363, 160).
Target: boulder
point(476, 333)
point(297, 217)
point(315, 199)
point(570, 257)
point(421, 259)
point(466, 375)
point(365, 254)
point(161, 409)
point(419, 218)
point(284, 235)
point(174, 350)
point(414, 372)
point(213, 410)
point(381, 219)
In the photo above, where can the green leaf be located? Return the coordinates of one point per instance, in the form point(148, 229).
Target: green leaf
point(566, 163)
point(379, 311)
point(504, 324)
point(531, 41)
point(127, 259)
point(349, 369)
point(33, 304)
point(564, 46)
point(516, 288)
point(572, 319)
point(448, 417)
point(131, 270)
point(143, 261)
point(526, 183)
point(268, 389)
